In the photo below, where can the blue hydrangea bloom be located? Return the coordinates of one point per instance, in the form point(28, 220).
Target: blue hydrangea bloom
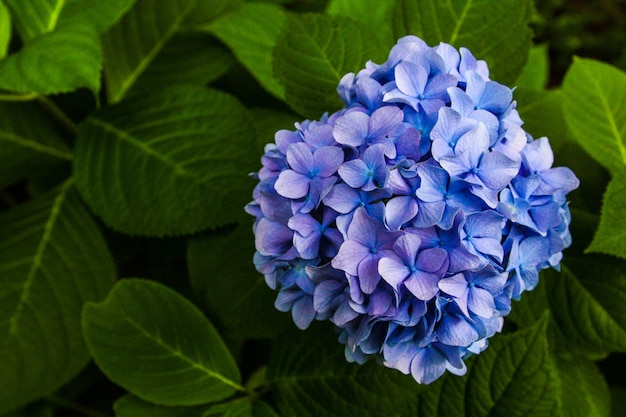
point(414, 215)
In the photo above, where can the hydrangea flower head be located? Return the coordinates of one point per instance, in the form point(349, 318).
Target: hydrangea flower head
point(413, 216)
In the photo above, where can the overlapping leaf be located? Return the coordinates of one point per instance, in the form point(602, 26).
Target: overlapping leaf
point(374, 13)
point(542, 113)
point(206, 11)
point(594, 98)
point(38, 17)
point(311, 378)
point(251, 32)
point(584, 391)
point(610, 237)
point(156, 344)
point(52, 260)
point(99, 14)
point(137, 38)
point(222, 273)
point(314, 52)
point(536, 71)
point(5, 29)
point(30, 141)
point(268, 121)
point(171, 162)
point(57, 62)
point(132, 406)
point(189, 58)
point(497, 32)
point(515, 376)
point(35, 17)
point(586, 304)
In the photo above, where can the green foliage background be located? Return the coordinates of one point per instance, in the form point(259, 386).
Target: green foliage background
point(127, 132)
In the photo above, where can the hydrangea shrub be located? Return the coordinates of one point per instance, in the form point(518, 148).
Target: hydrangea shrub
point(413, 216)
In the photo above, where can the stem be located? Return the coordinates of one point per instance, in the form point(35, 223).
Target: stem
point(62, 402)
point(57, 113)
point(18, 97)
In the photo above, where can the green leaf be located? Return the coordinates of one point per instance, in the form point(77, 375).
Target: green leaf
point(251, 33)
point(35, 17)
point(584, 391)
point(56, 62)
point(52, 260)
point(314, 52)
point(593, 177)
point(134, 42)
point(175, 161)
point(30, 141)
point(308, 368)
point(268, 121)
point(497, 32)
point(542, 113)
point(594, 98)
point(515, 376)
point(132, 406)
point(38, 17)
point(36, 409)
point(242, 407)
point(610, 237)
point(5, 29)
point(373, 13)
point(158, 345)
point(618, 401)
point(101, 15)
point(223, 275)
point(536, 72)
point(187, 58)
point(207, 11)
point(586, 304)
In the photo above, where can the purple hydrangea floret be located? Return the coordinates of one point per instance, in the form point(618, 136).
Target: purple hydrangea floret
point(413, 216)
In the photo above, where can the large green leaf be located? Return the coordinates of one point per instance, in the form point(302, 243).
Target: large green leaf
point(187, 58)
point(37, 17)
point(314, 52)
point(131, 44)
point(5, 29)
point(610, 237)
point(251, 33)
point(206, 11)
point(171, 162)
point(584, 391)
point(30, 141)
point(242, 407)
point(542, 113)
point(618, 401)
point(222, 274)
point(536, 71)
point(268, 121)
point(132, 406)
point(311, 378)
point(158, 345)
point(586, 304)
point(101, 15)
point(496, 31)
point(515, 376)
point(594, 98)
point(36, 409)
point(56, 62)
point(374, 13)
point(52, 260)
